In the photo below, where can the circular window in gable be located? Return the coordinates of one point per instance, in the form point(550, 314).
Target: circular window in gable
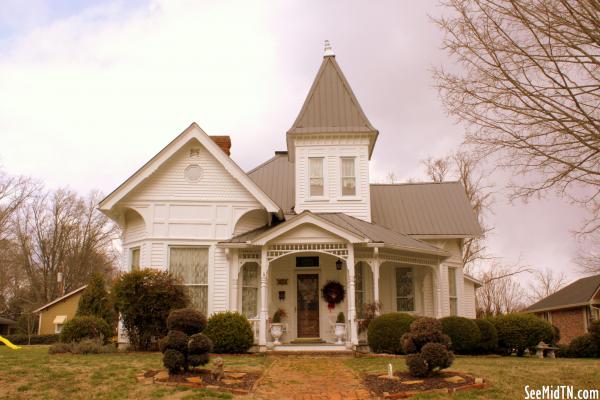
point(193, 173)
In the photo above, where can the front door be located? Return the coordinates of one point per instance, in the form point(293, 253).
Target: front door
point(308, 306)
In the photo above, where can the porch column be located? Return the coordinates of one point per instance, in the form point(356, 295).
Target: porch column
point(264, 305)
point(351, 296)
point(375, 264)
point(235, 274)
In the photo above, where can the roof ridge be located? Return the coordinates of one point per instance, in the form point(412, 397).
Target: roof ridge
point(413, 183)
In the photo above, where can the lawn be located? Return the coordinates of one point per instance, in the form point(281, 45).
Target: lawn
point(31, 373)
point(508, 375)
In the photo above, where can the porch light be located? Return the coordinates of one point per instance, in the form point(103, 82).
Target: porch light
point(338, 265)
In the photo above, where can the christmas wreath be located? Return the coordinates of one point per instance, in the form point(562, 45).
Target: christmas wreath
point(333, 293)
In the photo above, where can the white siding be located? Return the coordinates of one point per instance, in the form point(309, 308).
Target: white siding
point(469, 299)
point(251, 220)
point(158, 255)
point(220, 281)
point(332, 151)
point(135, 228)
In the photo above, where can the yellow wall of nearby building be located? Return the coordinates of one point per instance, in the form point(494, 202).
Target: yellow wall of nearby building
point(66, 307)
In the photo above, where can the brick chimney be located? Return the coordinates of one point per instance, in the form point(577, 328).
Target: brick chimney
point(224, 142)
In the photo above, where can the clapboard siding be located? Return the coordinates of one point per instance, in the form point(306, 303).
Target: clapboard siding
point(220, 292)
point(158, 255)
point(469, 299)
point(135, 227)
point(250, 221)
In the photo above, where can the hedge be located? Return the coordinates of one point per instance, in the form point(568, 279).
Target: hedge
point(22, 339)
point(518, 332)
point(385, 331)
point(86, 327)
point(230, 332)
point(489, 337)
point(464, 334)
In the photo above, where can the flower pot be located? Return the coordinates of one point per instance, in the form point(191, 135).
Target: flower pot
point(340, 332)
point(276, 332)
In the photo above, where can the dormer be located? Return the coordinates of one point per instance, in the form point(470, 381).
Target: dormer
point(331, 143)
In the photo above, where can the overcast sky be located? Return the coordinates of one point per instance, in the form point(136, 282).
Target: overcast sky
point(90, 90)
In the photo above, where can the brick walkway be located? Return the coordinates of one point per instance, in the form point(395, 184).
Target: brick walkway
point(310, 378)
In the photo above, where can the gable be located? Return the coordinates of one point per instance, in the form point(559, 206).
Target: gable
point(308, 233)
point(191, 174)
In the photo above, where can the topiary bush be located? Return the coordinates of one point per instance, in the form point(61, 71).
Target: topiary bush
point(144, 298)
point(489, 337)
point(86, 327)
point(464, 334)
point(519, 331)
point(180, 351)
point(584, 346)
point(385, 331)
point(427, 347)
point(96, 301)
point(230, 332)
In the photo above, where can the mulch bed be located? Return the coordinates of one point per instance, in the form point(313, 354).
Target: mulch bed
point(241, 385)
point(390, 388)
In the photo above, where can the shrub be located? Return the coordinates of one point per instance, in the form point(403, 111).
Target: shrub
point(91, 346)
point(96, 301)
point(417, 366)
point(519, 331)
point(186, 320)
point(176, 340)
point(59, 348)
point(144, 298)
point(86, 327)
point(341, 318)
point(427, 346)
point(464, 334)
point(200, 343)
point(385, 331)
point(584, 346)
point(173, 360)
point(594, 330)
point(22, 339)
point(489, 337)
point(196, 360)
point(230, 332)
point(422, 331)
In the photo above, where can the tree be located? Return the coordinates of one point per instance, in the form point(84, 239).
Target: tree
point(588, 257)
point(501, 291)
point(462, 166)
point(96, 301)
point(528, 90)
point(546, 283)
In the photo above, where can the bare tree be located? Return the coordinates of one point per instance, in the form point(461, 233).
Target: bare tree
point(528, 89)
point(546, 283)
point(588, 255)
point(463, 167)
point(501, 291)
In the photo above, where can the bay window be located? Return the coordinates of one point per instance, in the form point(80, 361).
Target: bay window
point(348, 177)
point(190, 265)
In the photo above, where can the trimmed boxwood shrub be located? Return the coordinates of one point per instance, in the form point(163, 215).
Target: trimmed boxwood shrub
point(422, 331)
point(489, 337)
point(86, 327)
point(464, 334)
point(186, 320)
point(22, 339)
point(180, 351)
point(427, 347)
point(230, 332)
point(519, 331)
point(584, 346)
point(385, 331)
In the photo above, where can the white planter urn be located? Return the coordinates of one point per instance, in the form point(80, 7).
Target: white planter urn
point(340, 332)
point(276, 333)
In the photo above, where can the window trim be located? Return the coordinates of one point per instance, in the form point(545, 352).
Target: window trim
point(414, 297)
point(356, 194)
point(324, 174)
point(257, 287)
point(208, 269)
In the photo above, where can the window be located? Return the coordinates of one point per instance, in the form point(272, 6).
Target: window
point(452, 291)
point(135, 259)
point(307, 262)
point(250, 290)
point(547, 316)
point(316, 176)
point(405, 290)
point(190, 265)
point(359, 290)
point(59, 322)
point(348, 177)
point(593, 314)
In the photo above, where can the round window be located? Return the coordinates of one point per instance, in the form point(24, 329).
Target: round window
point(193, 173)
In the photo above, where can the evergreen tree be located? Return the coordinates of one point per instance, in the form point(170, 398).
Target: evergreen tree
point(96, 301)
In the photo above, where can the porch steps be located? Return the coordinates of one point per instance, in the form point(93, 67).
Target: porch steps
point(310, 349)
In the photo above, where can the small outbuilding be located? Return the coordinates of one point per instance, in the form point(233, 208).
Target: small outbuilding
point(55, 314)
point(6, 325)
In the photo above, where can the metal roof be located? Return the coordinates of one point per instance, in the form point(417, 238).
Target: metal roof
point(331, 105)
point(6, 321)
point(427, 209)
point(578, 293)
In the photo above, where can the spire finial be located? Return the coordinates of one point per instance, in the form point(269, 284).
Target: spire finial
point(328, 49)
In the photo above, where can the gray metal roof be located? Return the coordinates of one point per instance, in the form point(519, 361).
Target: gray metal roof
point(577, 293)
point(427, 209)
point(414, 209)
point(6, 321)
point(331, 105)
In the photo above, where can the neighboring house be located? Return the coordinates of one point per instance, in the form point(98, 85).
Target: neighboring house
point(6, 325)
point(55, 314)
point(272, 237)
point(572, 308)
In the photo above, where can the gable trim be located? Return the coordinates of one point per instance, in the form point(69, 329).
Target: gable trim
point(191, 132)
point(66, 296)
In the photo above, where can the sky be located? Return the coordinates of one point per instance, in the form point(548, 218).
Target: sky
point(90, 90)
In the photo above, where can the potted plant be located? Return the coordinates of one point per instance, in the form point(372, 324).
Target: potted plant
point(340, 327)
point(277, 326)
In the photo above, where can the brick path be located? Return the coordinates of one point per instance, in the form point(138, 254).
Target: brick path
point(310, 378)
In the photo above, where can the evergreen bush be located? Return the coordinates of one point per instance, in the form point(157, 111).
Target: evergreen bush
point(385, 331)
point(464, 334)
point(230, 332)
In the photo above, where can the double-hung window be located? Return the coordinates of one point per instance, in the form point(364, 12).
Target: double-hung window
point(190, 265)
point(452, 291)
point(316, 181)
point(135, 259)
point(250, 290)
point(348, 177)
point(405, 289)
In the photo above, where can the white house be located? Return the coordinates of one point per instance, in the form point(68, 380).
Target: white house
point(272, 237)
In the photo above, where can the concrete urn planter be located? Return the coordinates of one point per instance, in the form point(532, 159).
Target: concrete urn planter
point(340, 332)
point(276, 333)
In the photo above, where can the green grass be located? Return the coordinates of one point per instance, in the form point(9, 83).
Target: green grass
point(31, 373)
point(507, 376)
